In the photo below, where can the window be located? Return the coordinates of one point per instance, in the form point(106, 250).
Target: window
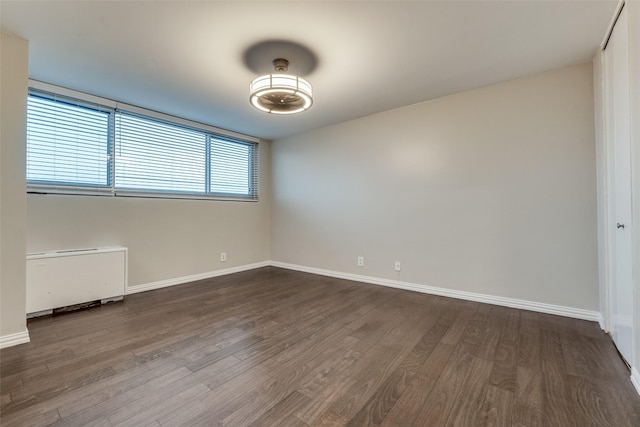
point(158, 157)
point(67, 144)
point(77, 147)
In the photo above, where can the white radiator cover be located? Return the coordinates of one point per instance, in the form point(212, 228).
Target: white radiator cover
point(63, 278)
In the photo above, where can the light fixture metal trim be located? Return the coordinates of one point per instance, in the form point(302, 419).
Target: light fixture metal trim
point(278, 93)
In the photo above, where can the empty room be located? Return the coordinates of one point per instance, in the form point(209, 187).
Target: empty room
point(306, 213)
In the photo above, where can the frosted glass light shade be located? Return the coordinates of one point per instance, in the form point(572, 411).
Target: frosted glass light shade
point(281, 94)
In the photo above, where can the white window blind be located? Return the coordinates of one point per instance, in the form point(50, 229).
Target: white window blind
point(232, 167)
point(67, 143)
point(155, 156)
point(77, 148)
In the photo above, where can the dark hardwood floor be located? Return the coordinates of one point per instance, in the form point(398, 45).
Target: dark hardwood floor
point(273, 347)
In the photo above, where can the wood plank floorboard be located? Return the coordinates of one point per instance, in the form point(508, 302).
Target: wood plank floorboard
point(274, 347)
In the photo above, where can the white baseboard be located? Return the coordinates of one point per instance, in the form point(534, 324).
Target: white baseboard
point(601, 321)
point(23, 337)
point(193, 277)
point(452, 293)
point(14, 339)
point(635, 379)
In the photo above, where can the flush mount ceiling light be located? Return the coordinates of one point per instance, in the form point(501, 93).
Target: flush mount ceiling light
point(278, 93)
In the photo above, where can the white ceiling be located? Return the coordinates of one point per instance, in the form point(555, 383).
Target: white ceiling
point(186, 58)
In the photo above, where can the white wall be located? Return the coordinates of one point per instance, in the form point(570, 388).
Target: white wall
point(490, 191)
point(167, 239)
point(13, 88)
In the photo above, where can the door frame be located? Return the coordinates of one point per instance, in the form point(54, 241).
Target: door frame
point(604, 153)
point(605, 184)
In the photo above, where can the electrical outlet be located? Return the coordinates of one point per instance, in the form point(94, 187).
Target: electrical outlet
point(223, 256)
point(360, 261)
point(397, 266)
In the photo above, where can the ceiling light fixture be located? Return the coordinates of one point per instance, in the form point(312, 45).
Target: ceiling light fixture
point(280, 93)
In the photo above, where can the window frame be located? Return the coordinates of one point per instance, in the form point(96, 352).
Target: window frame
point(113, 108)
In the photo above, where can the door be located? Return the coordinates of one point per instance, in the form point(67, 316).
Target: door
point(619, 187)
